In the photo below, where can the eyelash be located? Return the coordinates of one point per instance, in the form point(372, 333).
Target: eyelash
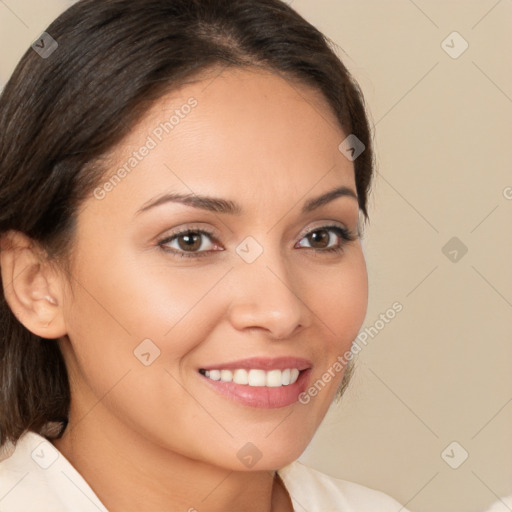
point(345, 234)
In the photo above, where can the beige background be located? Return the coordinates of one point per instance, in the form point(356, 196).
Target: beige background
point(440, 370)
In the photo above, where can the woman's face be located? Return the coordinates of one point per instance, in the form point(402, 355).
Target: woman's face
point(151, 311)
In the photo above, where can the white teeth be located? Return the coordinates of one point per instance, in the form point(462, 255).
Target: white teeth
point(214, 374)
point(258, 378)
point(274, 379)
point(226, 375)
point(240, 377)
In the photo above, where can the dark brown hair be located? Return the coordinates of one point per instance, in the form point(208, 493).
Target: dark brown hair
point(61, 114)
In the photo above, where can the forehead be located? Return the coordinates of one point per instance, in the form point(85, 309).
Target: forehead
point(234, 132)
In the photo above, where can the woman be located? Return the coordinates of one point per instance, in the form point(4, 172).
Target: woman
point(181, 187)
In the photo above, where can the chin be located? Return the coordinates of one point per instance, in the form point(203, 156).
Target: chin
point(267, 451)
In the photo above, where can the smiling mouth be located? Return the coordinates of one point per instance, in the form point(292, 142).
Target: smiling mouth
point(254, 377)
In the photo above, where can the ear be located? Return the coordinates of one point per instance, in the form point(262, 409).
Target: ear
point(32, 287)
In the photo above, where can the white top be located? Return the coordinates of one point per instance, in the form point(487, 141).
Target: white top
point(504, 505)
point(36, 477)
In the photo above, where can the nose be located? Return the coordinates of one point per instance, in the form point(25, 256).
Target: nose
point(267, 296)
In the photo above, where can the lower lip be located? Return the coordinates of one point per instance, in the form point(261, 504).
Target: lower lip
point(261, 396)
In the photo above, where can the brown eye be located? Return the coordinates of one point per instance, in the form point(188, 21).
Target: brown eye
point(190, 241)
point(328, 239)
point(319, 239)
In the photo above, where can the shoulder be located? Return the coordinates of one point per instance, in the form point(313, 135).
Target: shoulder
point(35, 476)
point(315, 491)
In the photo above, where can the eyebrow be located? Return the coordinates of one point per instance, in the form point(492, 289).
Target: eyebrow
point(219, 205)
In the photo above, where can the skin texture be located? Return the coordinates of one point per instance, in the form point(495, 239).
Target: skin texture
point(157, 437)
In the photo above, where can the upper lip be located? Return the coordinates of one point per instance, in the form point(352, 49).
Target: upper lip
point(263, 363)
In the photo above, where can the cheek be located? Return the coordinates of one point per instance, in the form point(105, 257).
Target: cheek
point(126, 298)
point(340, 305)
point(339, 298)
point(120, 302)
point(353, 300)
point(124, 304)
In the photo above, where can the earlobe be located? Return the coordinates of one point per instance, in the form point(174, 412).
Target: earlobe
point(31, 286)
